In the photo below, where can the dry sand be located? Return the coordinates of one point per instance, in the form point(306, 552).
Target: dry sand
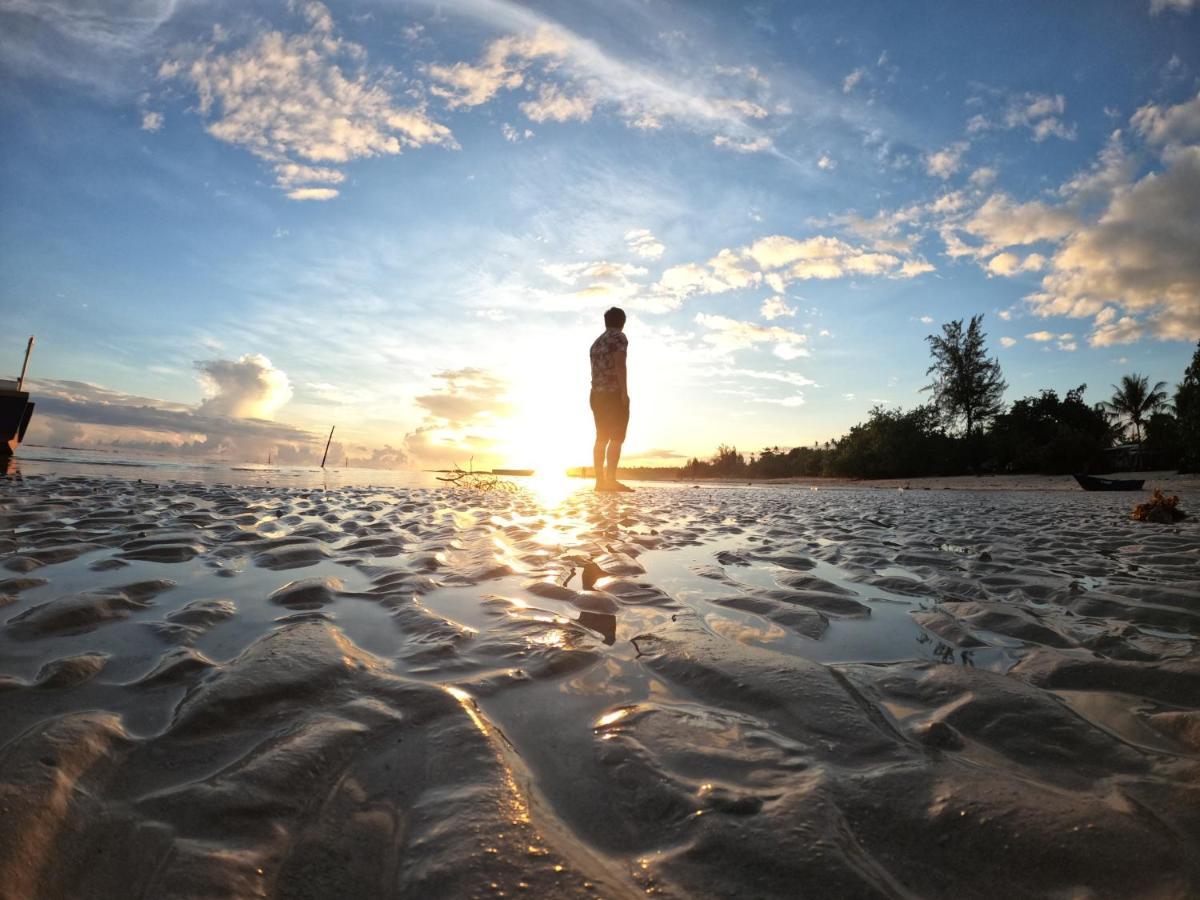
point(252, 691)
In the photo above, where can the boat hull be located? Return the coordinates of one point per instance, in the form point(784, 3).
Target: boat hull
point(15, 413)
point(1092, 483)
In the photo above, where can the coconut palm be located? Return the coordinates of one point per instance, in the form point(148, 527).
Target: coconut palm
point(1135, 399)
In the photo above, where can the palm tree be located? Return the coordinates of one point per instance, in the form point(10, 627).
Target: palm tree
point(1134, 399)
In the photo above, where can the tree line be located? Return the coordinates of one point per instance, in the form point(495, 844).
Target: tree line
point(966, 428)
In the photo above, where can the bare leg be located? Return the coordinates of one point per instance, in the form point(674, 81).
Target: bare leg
point(614, 457)
point(598, 460)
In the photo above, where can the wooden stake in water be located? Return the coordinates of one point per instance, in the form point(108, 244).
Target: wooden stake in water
point(25, 365)
point(323, 458)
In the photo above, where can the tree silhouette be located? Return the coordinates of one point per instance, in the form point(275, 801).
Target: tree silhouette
point(967, 386)
point(1134, 399)
point(1187, 409)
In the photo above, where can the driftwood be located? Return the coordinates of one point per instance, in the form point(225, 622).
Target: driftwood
point(472, 480)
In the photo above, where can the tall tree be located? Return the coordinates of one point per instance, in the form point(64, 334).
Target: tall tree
point(1134, 399)
point(967, 386)
point(1187, 410)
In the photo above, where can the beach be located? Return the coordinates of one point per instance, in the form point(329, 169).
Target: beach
point(290, 688)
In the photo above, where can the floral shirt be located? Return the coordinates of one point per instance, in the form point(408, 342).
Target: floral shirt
point(604, 359)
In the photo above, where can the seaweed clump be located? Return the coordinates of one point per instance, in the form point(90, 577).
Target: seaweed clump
point(1161, 509)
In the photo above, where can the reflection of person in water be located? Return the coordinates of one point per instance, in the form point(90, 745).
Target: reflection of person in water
point(610, 399)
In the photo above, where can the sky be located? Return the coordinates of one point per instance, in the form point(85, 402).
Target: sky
point(233, 225)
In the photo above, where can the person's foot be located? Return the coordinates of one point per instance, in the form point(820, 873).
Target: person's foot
point(617, 487)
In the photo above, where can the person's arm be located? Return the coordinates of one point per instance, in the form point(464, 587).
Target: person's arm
point(621, 383)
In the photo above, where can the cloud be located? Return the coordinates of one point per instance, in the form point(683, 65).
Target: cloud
point(1007, 264)
point(826, 163)
point(1044, 336)
point(852, 80)
point(514, 135)
point(99, 45)
point(312, 194)
point(983, 176)
point(1179, 6)
point(642, 242)
point(503, 66)
point(1008, 342)
point(775, 307)
point(152, 121)
point(1169, 125)
point(246, 388)
point(553, 105)
point(1040, 113)
point(290, 175)
point(460, 416)
point(573, 77)
point(1002, 222)
point(90, 415)
point(927, 320)
point(729, 335)
point(302, 98)
point(757, 144)
point(1139, 255)
point(945, 162)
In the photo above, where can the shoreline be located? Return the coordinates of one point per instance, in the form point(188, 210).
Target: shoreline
point(1167, 481)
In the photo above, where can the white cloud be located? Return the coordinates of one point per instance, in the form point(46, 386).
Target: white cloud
point(1008, 342)
point(290, 175)
point(1180, 6)
point(1140, 256)
point(852, 80)
point(945, 162)
point(553, 105)
point(248, 388)
point(927, 320)
point(302, 97)
point(1040, 113)
point(743, 145)
point(1124, 330)
point(514, 135)
point(504, 65)
point(152, 121)
point(983, 176)
point(728, 335)
point(775, 307)
point(1113, 169)
point(573, 77)
point(1002, 222)
point(643, 242)
point(826, 163)
point(1006, 264)
point(311, 193)
point(1168, 125)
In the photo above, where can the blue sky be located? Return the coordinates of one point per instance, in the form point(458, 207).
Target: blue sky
point(232, 225)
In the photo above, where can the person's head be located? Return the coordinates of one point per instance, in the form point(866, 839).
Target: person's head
point(614, 318)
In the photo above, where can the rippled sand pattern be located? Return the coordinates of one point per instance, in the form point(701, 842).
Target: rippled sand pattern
point(716, 692)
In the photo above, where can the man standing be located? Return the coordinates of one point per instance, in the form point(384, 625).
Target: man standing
point(610, 399)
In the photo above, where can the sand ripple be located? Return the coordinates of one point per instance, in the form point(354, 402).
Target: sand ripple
point(257, 691)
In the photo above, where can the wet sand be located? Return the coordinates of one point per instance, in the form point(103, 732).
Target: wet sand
point(244, 691)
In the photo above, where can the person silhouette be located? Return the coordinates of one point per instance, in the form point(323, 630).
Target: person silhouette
point(609, 399)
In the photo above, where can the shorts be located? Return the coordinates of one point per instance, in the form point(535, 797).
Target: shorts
point(611, 414)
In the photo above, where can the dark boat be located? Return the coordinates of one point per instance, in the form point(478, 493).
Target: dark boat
point(1092, 483)
point(15, 410)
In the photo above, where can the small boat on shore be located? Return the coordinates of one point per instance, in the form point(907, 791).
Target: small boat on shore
point(1092, 483)
point(15, 409)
